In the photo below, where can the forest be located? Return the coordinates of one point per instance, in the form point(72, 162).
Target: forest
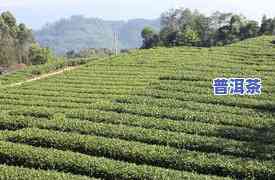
point(17, 44)
point(183, 27)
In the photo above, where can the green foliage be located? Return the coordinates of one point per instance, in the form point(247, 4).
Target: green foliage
point(9, 19)
point(89, 53)
point(182, 27)
point(134, 151)
point(13, 40)
point(31, 71)
point(150, 38)
point(145, 115)
point(187, 37)
point(44, 158)
point(17, 44)
point(59, 117)
point(168, 37)
point(268, 26)
point(251, 29)
point(38, 55)
point(16, 173)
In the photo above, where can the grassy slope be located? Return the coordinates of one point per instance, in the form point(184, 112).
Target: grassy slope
point(150, 114)
point(34, 71)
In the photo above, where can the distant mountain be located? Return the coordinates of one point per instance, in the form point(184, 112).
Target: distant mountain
point(79, 32)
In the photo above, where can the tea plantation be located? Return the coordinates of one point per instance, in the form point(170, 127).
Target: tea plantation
point(150, 114)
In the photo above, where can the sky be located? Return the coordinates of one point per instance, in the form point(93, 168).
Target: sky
point(36, 13)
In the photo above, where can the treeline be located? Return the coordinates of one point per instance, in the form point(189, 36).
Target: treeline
point(17, 44)
point(191, 28)
point(88, 53)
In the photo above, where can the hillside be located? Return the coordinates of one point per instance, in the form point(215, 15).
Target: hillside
point(79, 32)
point(150, 114)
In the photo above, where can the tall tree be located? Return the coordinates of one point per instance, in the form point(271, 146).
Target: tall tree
point(267, 26)
point(188, 37)
point(250, 30)
point(186, 27)
point(150, 38)
point(171, 18)
point(16, 42)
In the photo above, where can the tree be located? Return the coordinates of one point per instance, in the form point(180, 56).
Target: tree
point(186, 18)
point(175, 23)
point(168, 37)
point(236, 23)
point(267, 26)
point(196, 26)
point(250, 30)
point(9, 19)
point(24, 41)
point(234, 31)
point(15, 41)
point(188, 37)
point(150, 38)
point(222, 35)
point(147, 32)
point(190, 24)
point(186, 27)
point(71, 54)
point(4, 28)
point(171, 18)
point(38, 55)
point(8, 53)
point(219, 19)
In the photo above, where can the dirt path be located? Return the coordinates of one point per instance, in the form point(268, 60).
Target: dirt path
point(43, 76)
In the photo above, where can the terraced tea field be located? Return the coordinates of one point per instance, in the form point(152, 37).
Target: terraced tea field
point(147, 115)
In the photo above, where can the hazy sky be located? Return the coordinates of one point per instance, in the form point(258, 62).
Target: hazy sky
point(35, 13)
